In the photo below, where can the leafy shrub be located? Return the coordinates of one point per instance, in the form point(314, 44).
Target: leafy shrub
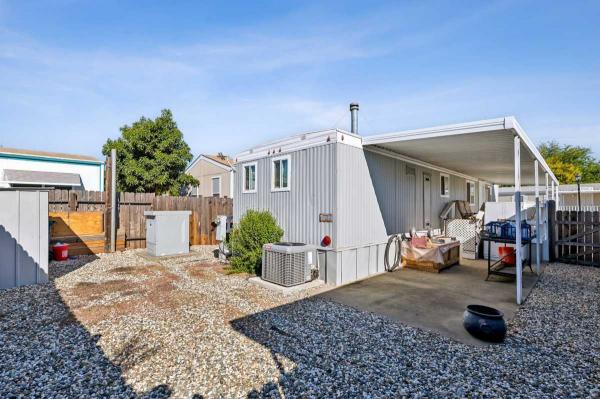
point(255, 229)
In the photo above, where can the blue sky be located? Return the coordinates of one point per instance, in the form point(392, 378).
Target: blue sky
point(237, 74)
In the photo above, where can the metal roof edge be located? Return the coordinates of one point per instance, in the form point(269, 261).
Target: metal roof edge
point(292, 143)
point(42, 158)
point(436, 131)
point(511, 123)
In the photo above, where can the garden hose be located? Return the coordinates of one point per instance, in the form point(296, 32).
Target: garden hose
point(397, 241)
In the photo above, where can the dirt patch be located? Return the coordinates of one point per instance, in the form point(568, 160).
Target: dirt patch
point(147, 271)
point(231, 313)
point(200, 271)
point(87, 291)
point(146, 296)
point(135, 351)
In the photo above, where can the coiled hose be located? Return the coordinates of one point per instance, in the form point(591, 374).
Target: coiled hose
point(395, 239)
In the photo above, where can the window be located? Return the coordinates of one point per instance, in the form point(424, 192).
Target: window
point(249, 178)
point(444, 185)
point(280, 176)
point(216, 186)
point(471, 192)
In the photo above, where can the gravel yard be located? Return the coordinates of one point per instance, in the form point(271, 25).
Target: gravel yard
point(121, 325)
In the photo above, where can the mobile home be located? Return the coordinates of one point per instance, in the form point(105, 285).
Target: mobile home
point(357, 191)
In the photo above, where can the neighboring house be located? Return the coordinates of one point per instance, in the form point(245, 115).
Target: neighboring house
point(347, 194)
point(567, 195)
point(214, 173)
point(28, 168)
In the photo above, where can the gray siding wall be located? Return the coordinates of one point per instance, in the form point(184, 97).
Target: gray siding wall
point(400, 195)
point(23, 238)
point(360, 218)
point(312, 191)
point(370, 196)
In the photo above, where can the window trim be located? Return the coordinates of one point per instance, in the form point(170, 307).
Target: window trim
point(289, 173)
point(212, 187)
point(469, 192)
point(255, 164)
point(446, 189)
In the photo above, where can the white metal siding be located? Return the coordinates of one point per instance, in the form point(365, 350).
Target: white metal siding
point(360, 219)
point(400, 196)
point(312, 191)
point(23, 238)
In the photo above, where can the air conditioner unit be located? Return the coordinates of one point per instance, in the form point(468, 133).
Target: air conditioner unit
point(288, 263)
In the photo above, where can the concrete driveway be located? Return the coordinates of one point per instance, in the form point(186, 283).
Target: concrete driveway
point(432, 301)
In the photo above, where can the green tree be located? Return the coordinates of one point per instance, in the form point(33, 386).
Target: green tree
point(152, 156)
point(566, 161)
point(255, 229)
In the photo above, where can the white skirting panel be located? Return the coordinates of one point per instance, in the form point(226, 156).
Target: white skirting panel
point(345, 266)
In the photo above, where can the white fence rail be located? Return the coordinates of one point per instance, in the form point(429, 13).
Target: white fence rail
point(575, 208)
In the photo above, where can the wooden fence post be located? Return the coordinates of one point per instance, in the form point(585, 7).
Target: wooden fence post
point(72, 201)
point(107, 209)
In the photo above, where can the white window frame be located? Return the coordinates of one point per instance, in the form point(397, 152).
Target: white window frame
point(289, 170)
point(249, 164)
point(471, 192)
point(212, 186)
point(447, 187)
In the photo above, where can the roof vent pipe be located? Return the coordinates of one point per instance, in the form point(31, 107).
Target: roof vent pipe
point(354, 118)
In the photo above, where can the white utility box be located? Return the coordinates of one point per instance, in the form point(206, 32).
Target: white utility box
point(167, 232)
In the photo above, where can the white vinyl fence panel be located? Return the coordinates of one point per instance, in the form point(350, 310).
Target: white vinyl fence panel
point(23, 237)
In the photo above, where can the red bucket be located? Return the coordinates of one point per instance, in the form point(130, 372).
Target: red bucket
point(507, 254)
point(60, 251)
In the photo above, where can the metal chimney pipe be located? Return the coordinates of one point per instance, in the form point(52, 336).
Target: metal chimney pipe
point(354, 117)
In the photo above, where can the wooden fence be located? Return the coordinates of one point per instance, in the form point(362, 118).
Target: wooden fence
point(131, 224)
point(578, 237)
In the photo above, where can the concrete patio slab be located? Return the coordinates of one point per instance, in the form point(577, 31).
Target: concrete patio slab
point(434, 302)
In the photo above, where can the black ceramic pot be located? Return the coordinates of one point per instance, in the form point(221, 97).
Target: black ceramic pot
point(485, 323)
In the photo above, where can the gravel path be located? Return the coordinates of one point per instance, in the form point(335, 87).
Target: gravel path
point(123, 326)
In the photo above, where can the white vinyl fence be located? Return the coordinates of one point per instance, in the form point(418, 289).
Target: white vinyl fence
point(575, 208)
point(23, 237)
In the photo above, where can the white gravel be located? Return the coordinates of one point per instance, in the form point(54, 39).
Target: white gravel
point(123, 326)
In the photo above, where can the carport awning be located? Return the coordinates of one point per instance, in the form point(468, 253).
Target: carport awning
point(482, 149)
point(39, 178)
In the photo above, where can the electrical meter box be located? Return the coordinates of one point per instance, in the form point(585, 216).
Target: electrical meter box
point(167, 232)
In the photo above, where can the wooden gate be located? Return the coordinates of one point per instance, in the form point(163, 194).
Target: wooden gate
point(578, 237)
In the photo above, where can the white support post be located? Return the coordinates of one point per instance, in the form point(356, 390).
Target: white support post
point(496, 192)
point(518, 246)
point(552, 192)
point(556, 196)
point(538, 227)
point(547, 198)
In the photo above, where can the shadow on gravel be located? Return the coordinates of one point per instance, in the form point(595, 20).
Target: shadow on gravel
point(59, 269)
point(328, 353)
point(46, 352)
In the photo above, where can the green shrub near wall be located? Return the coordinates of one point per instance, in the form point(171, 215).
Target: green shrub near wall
point(255, 229)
